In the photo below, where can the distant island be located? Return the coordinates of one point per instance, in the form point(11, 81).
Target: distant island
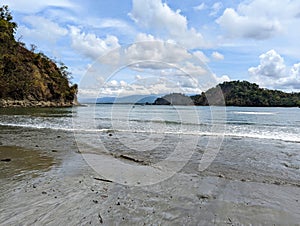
point(27, 78)
point(235, 93)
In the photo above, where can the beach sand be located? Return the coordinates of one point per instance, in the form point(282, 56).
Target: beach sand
point(45, 181)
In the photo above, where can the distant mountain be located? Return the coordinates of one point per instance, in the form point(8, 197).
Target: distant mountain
point(235, 93)
point(136, 99)
point(105, 100)
point(132, 99)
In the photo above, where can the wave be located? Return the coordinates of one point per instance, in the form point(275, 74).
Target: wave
point(31, 126)
point(168, 122)
point(253, 113)
point(288, 137)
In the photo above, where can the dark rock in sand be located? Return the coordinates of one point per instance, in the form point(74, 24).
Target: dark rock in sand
point(5, 160)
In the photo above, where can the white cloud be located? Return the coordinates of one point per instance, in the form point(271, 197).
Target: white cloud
point(201, 56)
point(145, 86)
point(271, 65)
point(260, 19)
point(117, 25)
point(90, 45)
point(150, 48)
point(162, 68)
point(216, 7)
point(33, 6)
point(200, 7)
point(41, 29)
point(108, 22)
point(194, 70)
point(274, 73)
point(159, 16)
point(243, 26)
point(223, 78)
point(217, 56)
point(138, 77)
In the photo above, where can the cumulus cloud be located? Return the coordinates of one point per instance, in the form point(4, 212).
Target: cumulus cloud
point(272, 72)
point(271, 65)
point(90, 45)
point(260, 19)
point(188, 79)
point(159, 16)
point(41, 28)
point(245, 26)
point(217, 56)
point(152, 66)
point(148, 48)
point(144, 86)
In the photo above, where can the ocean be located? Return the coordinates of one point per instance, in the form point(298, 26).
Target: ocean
point(242, 122)
point(167, 138)
point(159, 165)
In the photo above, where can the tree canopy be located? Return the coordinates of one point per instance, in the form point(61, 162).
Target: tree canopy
point(244, 93)
point(235, 93)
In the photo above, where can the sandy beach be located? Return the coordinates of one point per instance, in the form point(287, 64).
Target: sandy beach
point(145, 112)
point(54, 185)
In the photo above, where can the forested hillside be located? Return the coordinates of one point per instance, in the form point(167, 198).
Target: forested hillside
point(235, 93)
point(28, 78)
point(243, 93)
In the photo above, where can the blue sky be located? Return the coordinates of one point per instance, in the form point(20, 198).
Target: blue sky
point(254, 40)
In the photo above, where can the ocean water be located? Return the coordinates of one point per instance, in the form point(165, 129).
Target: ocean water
point(241, 122)
point(250, 172)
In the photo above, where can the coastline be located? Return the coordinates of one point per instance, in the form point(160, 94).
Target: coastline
point(230, 191)
point(8, 103)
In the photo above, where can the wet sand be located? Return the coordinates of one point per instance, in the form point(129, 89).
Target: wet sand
point(47, 182)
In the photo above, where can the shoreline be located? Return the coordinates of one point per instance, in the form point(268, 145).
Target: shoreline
point(70, 192)
point(4, 103)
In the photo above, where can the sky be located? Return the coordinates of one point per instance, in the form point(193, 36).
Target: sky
point(157, 47)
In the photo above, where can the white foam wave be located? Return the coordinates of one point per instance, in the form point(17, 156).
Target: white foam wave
point(289, 137)
point(253, 113)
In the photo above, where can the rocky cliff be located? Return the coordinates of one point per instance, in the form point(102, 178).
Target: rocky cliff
point(28, 78)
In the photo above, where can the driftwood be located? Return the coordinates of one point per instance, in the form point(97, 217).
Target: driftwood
point(105, 180)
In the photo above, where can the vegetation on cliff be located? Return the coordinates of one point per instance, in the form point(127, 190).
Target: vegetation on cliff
point(238, 93)
point(29, 76)
point(243, 93)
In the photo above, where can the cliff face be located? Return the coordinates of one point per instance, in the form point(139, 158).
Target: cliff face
point(28, 78)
